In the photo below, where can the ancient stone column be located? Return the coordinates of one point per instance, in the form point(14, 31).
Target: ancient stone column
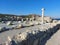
point(42, 15)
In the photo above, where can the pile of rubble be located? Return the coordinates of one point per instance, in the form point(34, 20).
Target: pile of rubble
point(33, 37)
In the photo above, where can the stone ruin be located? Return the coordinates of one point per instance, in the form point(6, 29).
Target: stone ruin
point(34, 37)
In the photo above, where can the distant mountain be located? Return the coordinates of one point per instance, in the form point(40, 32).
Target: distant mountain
point(3, 15)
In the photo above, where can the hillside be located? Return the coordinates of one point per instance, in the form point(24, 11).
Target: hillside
point(29, 15)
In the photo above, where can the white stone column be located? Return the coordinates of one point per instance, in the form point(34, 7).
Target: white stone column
point(42, 18)
point(42, 15)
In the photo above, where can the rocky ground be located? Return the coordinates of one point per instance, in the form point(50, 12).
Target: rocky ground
point(11, 33)
point(39, 34)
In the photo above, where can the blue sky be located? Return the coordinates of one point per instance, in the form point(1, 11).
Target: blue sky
point(24, 7)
